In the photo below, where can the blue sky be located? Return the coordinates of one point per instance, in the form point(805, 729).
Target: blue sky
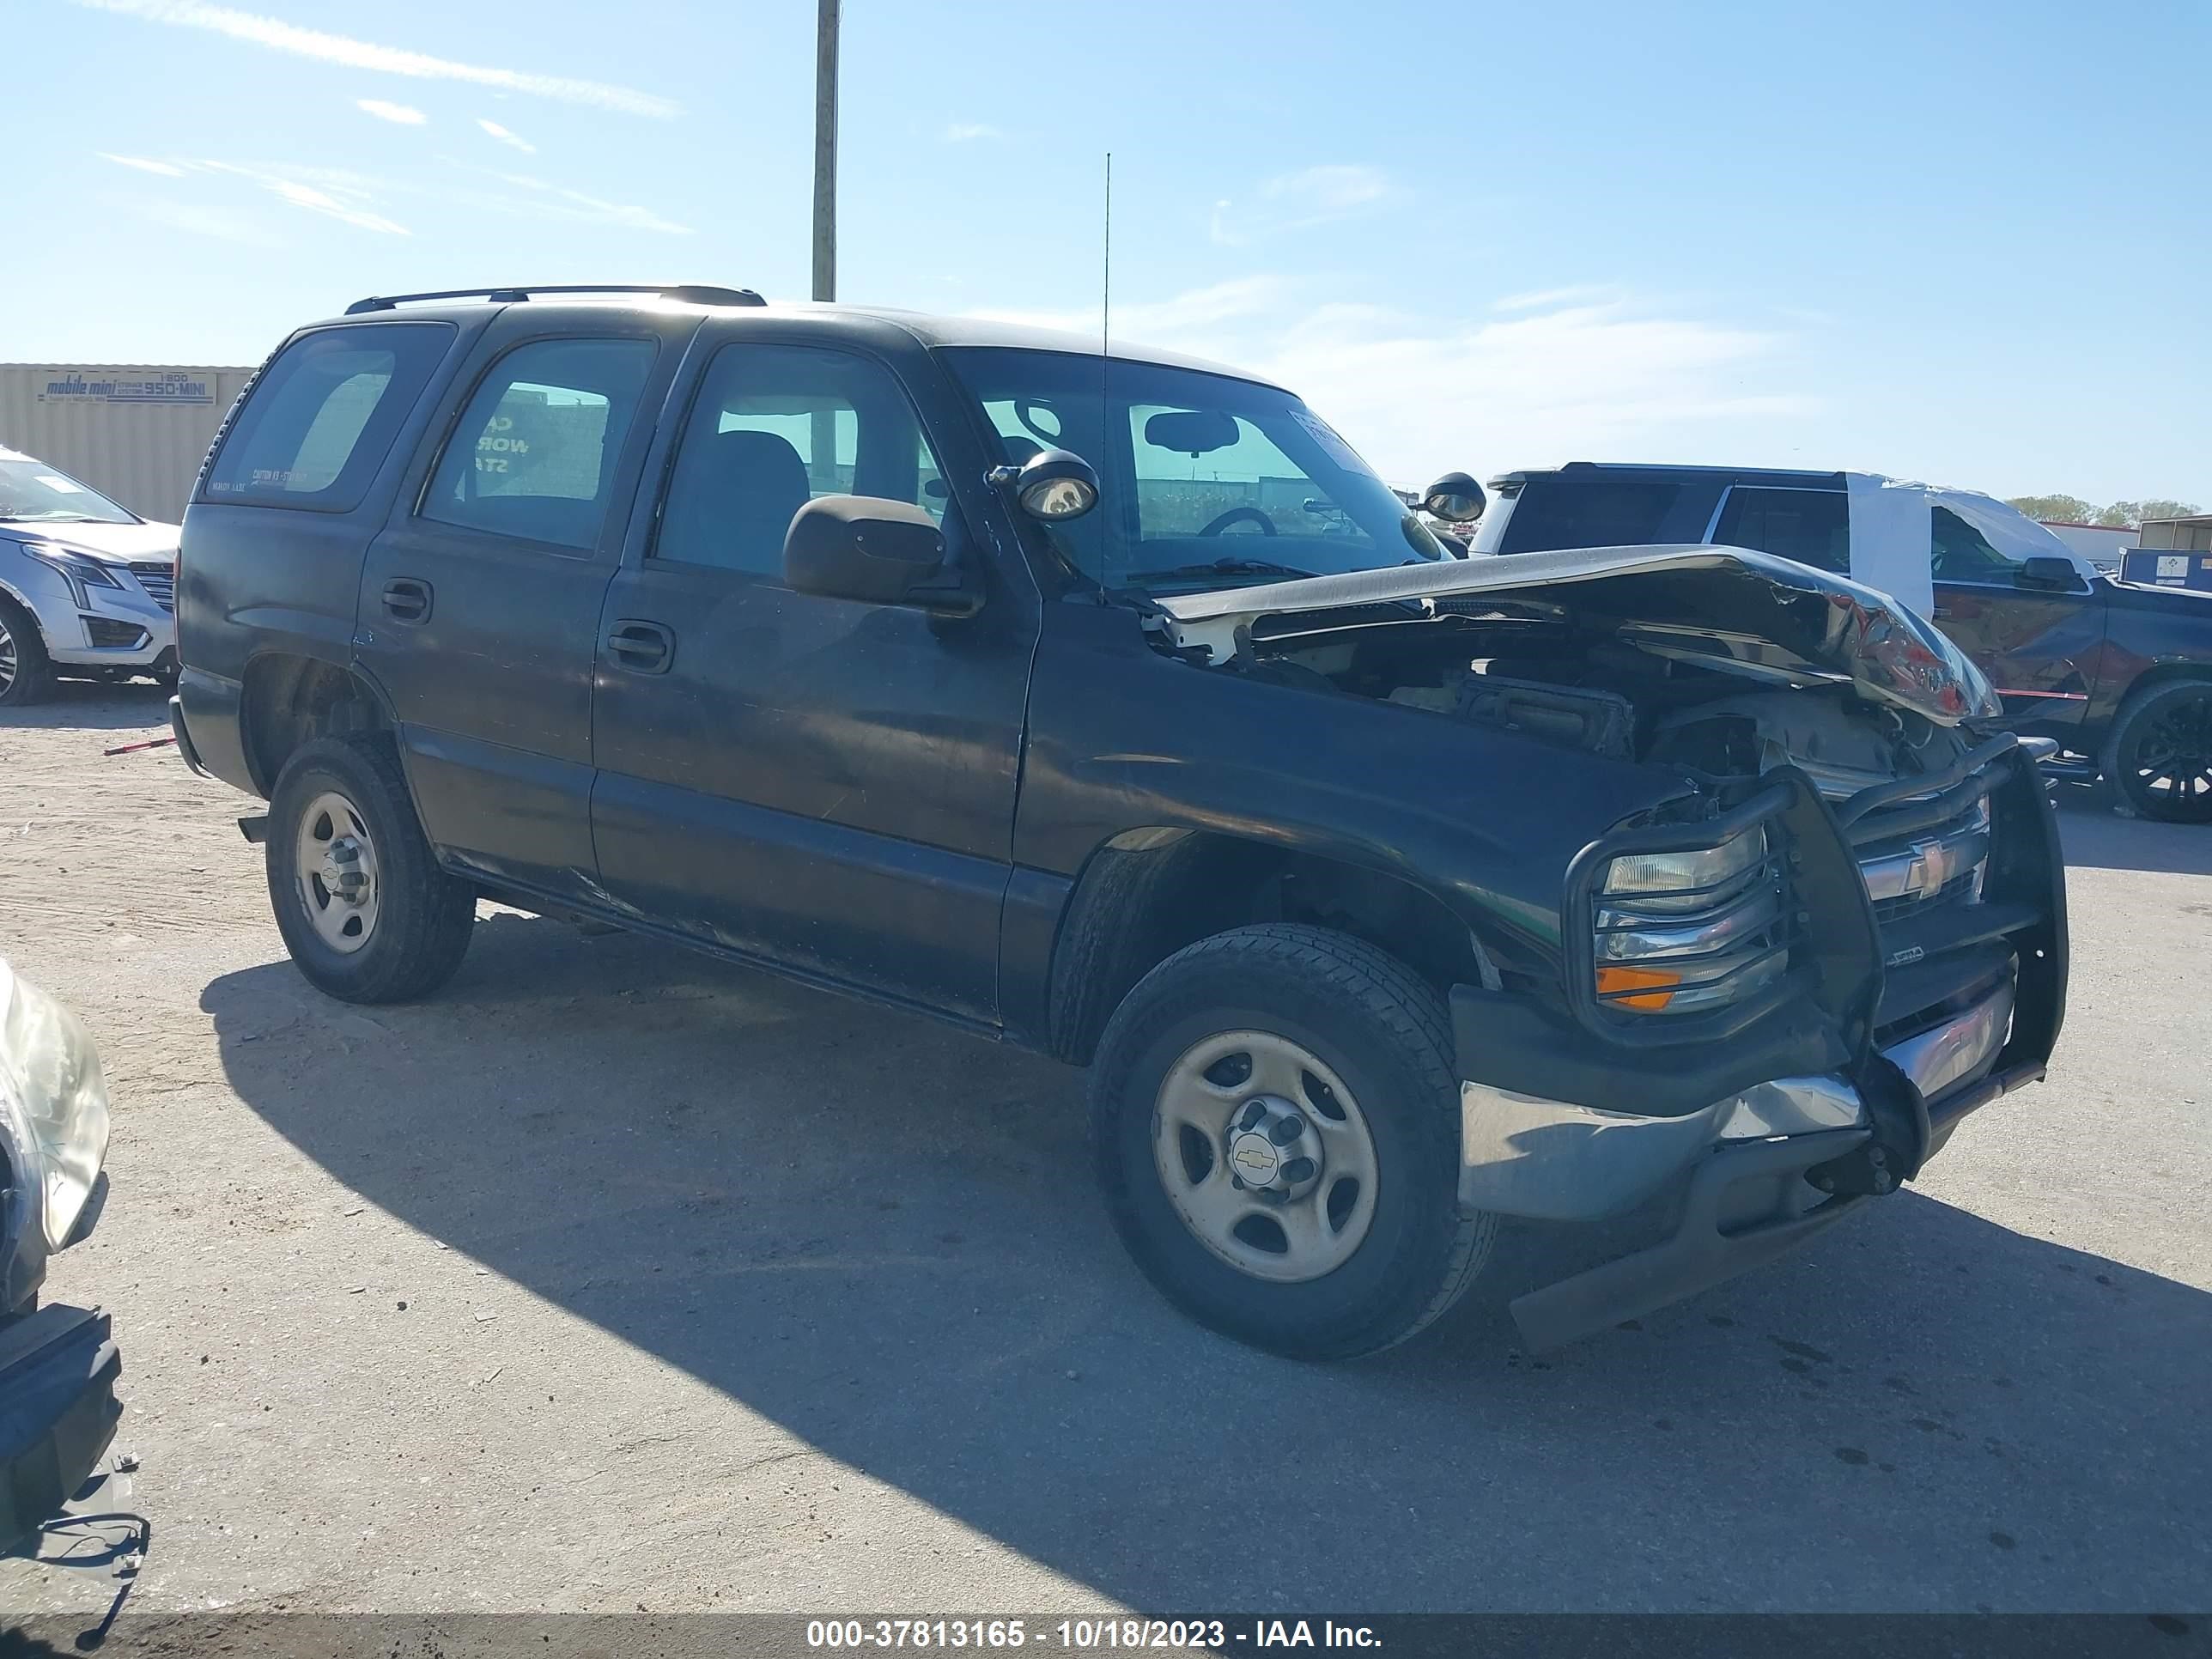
point(1971, 244)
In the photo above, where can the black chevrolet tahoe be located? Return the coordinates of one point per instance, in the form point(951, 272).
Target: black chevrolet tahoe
point(2118, 674)
point(1109, 705)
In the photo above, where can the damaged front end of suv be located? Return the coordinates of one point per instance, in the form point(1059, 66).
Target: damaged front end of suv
point(1834, 928)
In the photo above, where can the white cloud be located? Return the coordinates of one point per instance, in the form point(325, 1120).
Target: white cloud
point(405, 115)
point(967, 132)
point(1618, 379)
point(280, 36)
point(162, 169)
point(1541, 299)
point(224, 224)
point(1192, 315)
point(363, 200)
point(550, 201)
point(1301, 200)
point(1334, 189)
point(343, 197)
point(506, 137)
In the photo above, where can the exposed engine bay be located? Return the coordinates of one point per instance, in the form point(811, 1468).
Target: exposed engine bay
point(1723, 660)
point(1614, 701)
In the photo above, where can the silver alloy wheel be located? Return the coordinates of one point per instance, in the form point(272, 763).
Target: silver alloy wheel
point(9, 665)
point(1265, 1156)
point(334, 863)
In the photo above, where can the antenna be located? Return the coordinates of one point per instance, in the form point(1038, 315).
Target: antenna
point(1105, 336)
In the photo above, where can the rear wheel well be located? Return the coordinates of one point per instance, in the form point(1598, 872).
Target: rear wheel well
point(291, 701)
point(1148, 893)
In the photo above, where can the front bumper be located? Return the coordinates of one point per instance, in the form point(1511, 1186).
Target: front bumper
point(58, 1410)
point(121, 628)
point(1741, 1172)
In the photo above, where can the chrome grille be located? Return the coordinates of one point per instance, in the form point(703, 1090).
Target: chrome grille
point(1943, 865)
point(159, 580)
point(1960, 889)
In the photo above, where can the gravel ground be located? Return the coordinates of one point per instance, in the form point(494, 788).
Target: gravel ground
point(618, 1278)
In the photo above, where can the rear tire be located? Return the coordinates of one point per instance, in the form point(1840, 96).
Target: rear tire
point(2158, 756)
point(1338, 1056)
point(27, 674)
point(365, 911)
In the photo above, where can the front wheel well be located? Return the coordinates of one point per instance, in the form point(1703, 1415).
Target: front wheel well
point(289, 701)
point(1148, 893)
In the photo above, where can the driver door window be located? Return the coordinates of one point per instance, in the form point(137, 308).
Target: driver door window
point(1963, 554)
point(776, 427)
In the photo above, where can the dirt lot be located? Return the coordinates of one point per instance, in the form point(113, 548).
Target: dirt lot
point(618, 1278)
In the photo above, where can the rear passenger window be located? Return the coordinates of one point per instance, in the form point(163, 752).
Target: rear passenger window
point(321, 417)
point(534, 455)
point(1813, 526)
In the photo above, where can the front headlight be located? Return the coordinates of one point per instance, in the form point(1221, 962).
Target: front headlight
point(1679, 931)
point(54, 1099)
point(79, 570)
point(1685, 881)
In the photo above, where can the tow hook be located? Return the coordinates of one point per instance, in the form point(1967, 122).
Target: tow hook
point(1895, 1153)
point(1866, 1172)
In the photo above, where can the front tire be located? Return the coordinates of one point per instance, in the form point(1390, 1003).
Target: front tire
point(27, 674)
point(2159, 756)
point(365, 911)
point(1276, 1124)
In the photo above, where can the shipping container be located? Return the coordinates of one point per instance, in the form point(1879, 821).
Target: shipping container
point(2155, 568)
point(133, 432)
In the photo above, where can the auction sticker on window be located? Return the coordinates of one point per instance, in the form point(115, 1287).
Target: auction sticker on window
point(1331, 445)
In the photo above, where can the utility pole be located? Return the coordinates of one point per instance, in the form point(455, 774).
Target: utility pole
point(825, 152)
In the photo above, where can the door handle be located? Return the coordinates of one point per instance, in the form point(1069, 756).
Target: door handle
point(407, 600)
point(643, 647)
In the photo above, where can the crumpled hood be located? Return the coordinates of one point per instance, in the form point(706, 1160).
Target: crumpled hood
point(1723, 608)
point(111, 543)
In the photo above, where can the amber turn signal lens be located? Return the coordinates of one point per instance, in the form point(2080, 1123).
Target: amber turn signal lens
point(1655, 985)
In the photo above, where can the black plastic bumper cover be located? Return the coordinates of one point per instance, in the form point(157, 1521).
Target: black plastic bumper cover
point(1700, 1254)
point(58, 1410)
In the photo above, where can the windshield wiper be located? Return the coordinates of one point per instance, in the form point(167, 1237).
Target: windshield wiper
point(1224, 566)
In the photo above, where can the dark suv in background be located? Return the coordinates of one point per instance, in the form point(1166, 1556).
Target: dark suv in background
point(1112, 707)
point(2118, 674)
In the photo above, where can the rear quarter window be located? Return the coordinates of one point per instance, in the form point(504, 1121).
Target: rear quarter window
point(319, 420)
point(1813, 526)
point(1551, 514)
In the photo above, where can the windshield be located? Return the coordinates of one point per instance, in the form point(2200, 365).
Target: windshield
point(33, 491)
point(1206, 480)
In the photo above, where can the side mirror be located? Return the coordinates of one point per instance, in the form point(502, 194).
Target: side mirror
point(2049, 573)
point(1455, 498)
point(1054, 485)
point(863, 547)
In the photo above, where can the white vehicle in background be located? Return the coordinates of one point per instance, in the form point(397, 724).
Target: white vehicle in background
point(88, 588)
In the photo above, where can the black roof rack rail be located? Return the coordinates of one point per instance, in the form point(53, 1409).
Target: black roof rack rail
point(695, 294)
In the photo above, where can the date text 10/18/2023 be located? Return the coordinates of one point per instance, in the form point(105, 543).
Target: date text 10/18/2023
point(1086, 1635)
